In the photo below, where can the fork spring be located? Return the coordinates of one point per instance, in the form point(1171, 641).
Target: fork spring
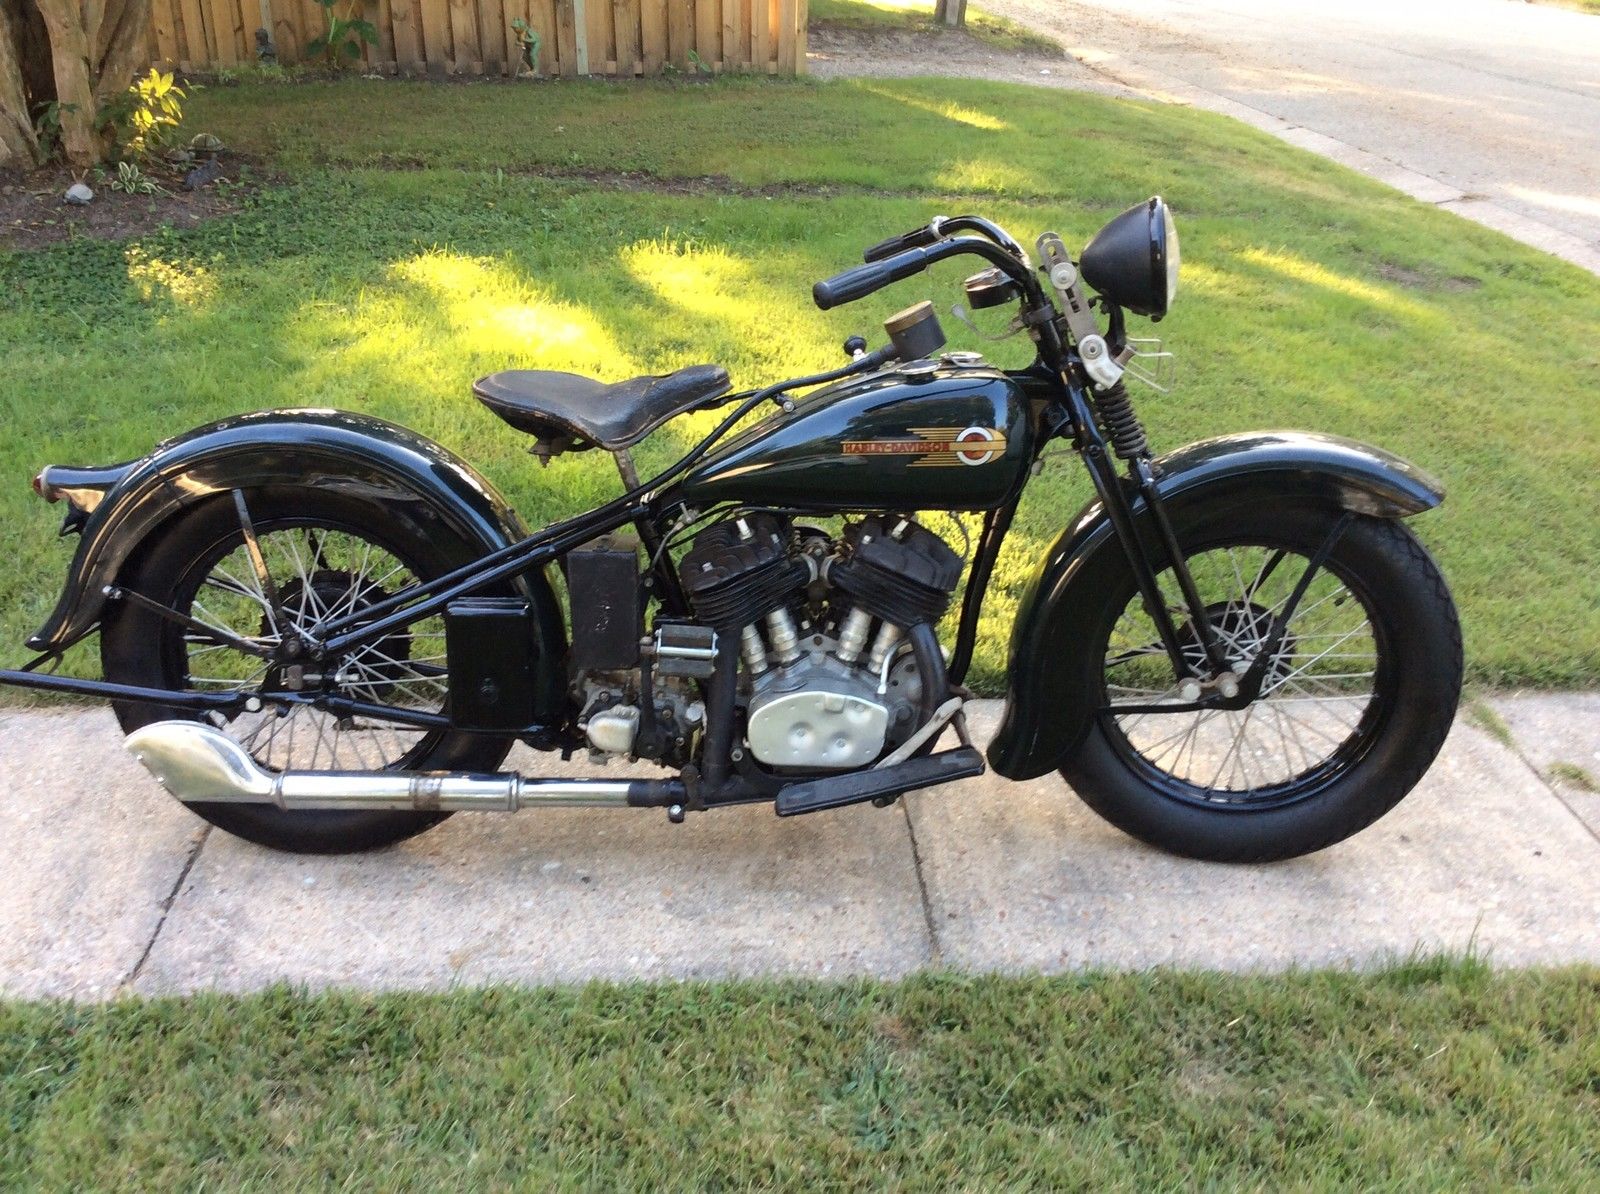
point(1128, 439)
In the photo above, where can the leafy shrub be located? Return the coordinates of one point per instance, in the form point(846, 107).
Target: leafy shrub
point(131, 180)
point(345, 36)
point(143, 118)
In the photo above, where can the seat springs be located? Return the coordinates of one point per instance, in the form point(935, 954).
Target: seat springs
point(1121, 423)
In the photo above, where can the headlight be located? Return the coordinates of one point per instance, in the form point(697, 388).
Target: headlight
point(1133, 260)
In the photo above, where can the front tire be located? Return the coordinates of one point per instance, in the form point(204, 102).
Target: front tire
point(1355, 707)
point(327, 553)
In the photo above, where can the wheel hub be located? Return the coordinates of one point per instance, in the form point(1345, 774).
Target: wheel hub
point(329, 595)
point(1243, 629)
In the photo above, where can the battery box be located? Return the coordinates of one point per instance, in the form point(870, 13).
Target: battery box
point(491, 651)
point(607, 603)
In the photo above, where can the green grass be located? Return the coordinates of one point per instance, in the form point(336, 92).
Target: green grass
point(1435, 1075)
point(1575, 775)
point(917, 16)
point(1589, 6)
point(425, 235)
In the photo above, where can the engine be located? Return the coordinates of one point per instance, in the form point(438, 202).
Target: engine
point(826, 671)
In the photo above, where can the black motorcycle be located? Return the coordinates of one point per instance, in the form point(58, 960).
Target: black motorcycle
point(323, 632)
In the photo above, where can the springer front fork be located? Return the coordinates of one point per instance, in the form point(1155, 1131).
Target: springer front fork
point(1099, 399)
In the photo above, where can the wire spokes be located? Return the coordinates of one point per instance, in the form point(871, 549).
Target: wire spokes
point(278, 580)
point(1316, 693)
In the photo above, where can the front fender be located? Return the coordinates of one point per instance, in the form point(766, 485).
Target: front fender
point(415, 480)
point(1045, 715)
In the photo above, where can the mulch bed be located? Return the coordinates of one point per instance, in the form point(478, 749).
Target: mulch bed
point(34, 214)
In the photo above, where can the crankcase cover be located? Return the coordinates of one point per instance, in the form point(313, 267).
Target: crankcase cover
point(817, 728)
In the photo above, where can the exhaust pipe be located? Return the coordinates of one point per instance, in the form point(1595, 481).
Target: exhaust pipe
point(199, 764)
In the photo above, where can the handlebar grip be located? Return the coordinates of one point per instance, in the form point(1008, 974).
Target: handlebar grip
point(861, 281)
point(917, 238)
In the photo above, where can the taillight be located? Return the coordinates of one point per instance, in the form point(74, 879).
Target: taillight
point(44, 489)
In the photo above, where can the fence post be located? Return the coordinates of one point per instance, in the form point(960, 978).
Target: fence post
point(580, 23)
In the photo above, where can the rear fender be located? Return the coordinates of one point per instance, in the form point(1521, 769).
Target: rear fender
point(419, 485)
point(1046, 714)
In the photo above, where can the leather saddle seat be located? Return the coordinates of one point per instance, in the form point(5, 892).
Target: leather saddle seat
point(566, 412)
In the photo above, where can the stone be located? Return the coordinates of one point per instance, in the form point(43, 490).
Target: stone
point(79, 194)
point(203, 175)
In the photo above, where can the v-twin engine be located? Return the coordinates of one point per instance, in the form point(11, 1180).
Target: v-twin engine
point(827, 676)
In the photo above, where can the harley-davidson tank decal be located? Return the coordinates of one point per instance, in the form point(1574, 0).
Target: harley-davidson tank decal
point(939, 447)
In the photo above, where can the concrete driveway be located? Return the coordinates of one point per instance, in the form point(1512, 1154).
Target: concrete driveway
point(111, 886)
point(1488, 107)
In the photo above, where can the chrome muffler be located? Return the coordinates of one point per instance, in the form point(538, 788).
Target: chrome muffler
point(199, 764)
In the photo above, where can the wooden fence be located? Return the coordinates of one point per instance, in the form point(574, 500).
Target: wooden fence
point(474, 37)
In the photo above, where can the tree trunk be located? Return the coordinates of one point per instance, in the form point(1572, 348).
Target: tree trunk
point(89, 55)
point(18, 145)
point(951, 12)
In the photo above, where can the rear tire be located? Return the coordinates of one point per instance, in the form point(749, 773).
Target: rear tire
point(1403, 706)
point(141, 648)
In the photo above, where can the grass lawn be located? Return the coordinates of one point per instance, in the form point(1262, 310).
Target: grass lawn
point(424, 235)
point(1432, 1075)
point(917, 16)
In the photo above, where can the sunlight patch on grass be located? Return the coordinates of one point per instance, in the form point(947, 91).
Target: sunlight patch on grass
point(960, 113)
point(484, 307)
point(703, 278)
point(1297, 269)
point(185, 284)
point(984, 175)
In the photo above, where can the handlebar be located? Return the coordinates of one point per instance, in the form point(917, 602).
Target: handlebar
point(939, 228)
point(917, 238)
point(863, 280)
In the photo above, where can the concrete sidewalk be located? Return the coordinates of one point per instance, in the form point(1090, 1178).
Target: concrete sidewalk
point(112, 886)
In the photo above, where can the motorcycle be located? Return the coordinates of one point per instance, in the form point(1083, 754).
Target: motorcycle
point(323, 632)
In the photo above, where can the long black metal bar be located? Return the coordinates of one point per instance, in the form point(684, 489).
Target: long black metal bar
point(1114, 500)
point(211, 634)
point(200, 702)
point(995, 525)
point(1145, 478)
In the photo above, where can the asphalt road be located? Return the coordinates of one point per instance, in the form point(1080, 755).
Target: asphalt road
point(1499, 99)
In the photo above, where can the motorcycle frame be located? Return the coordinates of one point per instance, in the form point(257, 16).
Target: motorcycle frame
point(653, 507)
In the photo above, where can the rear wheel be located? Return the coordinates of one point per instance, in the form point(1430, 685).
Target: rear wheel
point(327, 556)
point(1353, 709)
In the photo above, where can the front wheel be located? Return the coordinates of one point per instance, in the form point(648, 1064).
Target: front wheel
point(1354, 707)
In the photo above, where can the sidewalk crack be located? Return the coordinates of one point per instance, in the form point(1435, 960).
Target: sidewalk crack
point(935, 948)
point(166, 909)
point(1515, 748)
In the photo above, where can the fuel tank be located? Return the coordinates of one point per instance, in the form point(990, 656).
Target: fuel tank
point(945, 436)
